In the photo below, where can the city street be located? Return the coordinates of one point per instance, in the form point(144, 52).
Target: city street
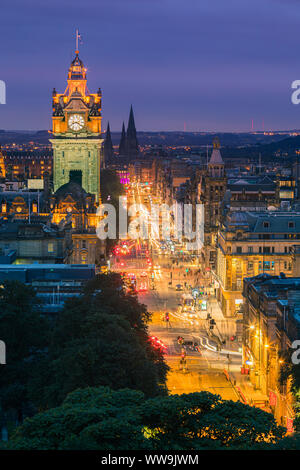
point(162, 277)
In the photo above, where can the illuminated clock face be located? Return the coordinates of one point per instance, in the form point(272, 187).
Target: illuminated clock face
point(76, 122)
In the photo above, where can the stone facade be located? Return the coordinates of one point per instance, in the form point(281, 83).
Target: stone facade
point(77, 138)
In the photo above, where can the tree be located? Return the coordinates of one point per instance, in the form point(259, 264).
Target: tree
point(108, 290)
point(102, 419)
point(24, 330)
point(290, 378)
point(100, 338)
point(191, 421)
point(110, 186)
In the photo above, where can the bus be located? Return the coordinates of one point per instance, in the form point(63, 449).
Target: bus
point(187, 302)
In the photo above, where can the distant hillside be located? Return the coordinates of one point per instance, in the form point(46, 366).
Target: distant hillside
point(23, 137)
point(285, 148)
point(158, 138)
point(199, 139)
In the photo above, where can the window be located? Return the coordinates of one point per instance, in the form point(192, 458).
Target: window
point(291, 224)
point(273, 265)
point(83, 243)
point(250, 266)
point(267, 265)
point(50, 247)
point(266, 224)
point(250, 249)
point(239, 249)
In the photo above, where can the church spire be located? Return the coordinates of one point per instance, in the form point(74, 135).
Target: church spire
point(123, 141)
point(132, 143)
point(108, 146)
point(216, 157)
point(216, 165)
point(131, 123)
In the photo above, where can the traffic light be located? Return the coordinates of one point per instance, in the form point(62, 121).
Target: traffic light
point(167, 316)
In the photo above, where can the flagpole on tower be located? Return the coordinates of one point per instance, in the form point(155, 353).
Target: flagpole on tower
point(78, 39)
point(76, 50)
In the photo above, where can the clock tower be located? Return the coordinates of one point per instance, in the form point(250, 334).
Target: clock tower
point(77, 143)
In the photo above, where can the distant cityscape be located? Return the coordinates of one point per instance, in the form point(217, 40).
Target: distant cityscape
point(147, 342)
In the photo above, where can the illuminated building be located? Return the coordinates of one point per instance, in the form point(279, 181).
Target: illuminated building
point(72, 202)
point(252, 243)
point(271, 324)
point(37, 241)
point(17, 205)
point(77, 142)
point(211, 190)
point(2, 165)
point(24, 166)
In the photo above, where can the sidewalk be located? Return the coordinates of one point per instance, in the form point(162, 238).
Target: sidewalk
point(248, 394)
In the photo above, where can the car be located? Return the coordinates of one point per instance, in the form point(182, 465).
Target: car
point(192, 346)
point(179, 287)
point(157, 343)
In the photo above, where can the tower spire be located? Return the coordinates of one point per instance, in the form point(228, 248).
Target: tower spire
point(123, 140)
point(132, 143)
point(108, 146)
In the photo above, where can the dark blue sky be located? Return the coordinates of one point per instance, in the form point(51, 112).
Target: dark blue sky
point(213, 64)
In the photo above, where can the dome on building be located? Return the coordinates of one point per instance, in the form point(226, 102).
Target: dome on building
point(72, 189)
